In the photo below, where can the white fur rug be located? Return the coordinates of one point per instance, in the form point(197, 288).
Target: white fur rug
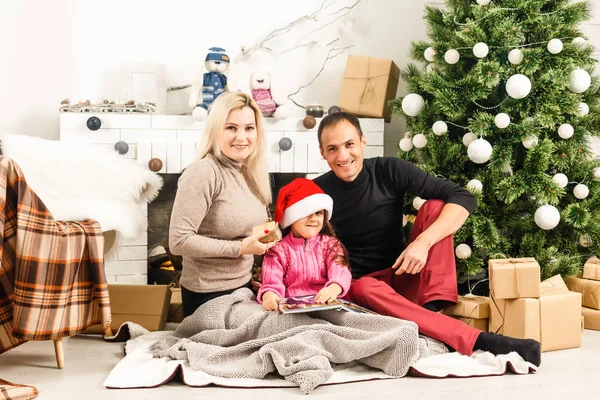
point(80, 181)
point(139, 370)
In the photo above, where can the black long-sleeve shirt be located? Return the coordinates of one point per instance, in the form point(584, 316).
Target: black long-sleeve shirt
point(367, 212)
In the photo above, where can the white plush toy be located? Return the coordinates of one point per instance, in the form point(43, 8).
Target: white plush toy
point(214, 82)
point(260, 87)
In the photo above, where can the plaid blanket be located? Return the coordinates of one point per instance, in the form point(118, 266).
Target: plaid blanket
point(52, 281)
point(14, 391)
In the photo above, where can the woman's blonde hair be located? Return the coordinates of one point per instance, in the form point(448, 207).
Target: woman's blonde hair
point(255, 168)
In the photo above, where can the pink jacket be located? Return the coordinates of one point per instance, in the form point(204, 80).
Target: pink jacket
point(298, 266)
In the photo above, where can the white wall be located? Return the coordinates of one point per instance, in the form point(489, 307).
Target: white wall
point(75, 49)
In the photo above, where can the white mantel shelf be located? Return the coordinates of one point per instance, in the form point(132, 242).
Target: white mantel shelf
point(173, 139)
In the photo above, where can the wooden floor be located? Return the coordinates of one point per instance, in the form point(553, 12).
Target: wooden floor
point(571, 374)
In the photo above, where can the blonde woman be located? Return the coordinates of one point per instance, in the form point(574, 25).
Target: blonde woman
point(220, 197)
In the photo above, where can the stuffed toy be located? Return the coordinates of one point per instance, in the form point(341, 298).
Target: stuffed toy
point(214, 82)
point(260, 87)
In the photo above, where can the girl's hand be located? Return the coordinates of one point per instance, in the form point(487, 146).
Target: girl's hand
point(328, 293)
point(270, 301)
point(251, 245)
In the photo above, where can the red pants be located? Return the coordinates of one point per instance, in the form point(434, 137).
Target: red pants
point(401, 296)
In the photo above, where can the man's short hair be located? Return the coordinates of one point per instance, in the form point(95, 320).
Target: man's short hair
point(336, 118)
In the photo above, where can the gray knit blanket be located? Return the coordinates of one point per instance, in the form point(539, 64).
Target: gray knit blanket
point(232, 337)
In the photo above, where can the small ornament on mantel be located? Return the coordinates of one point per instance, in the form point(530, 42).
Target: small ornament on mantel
point(285, 144)
point(121, 147)
point(333, 110)
point(316, 110)
point(309, 122)
point(155, 164)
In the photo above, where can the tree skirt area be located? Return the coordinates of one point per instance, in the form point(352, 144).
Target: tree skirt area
point(138, 369)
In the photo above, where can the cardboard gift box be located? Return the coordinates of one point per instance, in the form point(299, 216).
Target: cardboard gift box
point(369, 83)
point(553, 319)
point(146, 305)
point(474, 307)
point(175, 307)
point(591, 269)
point(477, 323)
point(589, 289)
point(591, 318)
point(514, 278)
point(556, 282)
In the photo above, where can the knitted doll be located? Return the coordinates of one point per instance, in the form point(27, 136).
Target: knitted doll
point(214, 82)
point(260, 87)
point(309, 259)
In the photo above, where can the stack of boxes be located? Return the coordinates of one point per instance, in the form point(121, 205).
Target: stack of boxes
point(589, 287)
point(521, 307)
point(472, 310)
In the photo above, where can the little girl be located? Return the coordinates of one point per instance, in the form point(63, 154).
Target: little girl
point(309, 259)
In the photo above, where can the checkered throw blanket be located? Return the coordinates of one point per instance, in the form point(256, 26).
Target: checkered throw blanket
point(52, 281)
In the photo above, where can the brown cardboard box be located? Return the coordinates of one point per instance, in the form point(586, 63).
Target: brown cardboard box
point(582, 322)
point(553, 319)
point(556, 282)
point(369, 83)
point(592, 318)
point(176, 306)
point(589, 289)
point(477, 323)
point(474, 307)
point(591, 269)
point(514, 278)
point(146, 305)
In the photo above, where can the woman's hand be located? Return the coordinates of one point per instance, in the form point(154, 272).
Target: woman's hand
point(270, 301)
point(328, 293)
point(251, 245)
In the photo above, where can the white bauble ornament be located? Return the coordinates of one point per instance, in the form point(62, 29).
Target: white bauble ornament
point(404, 220)
point(578, 40)
point(483, 2)
point(502, 120)
point(596, 173)
point(581, 191)
point(518, 86)
point(439, 128)
point(419, 140)
point(515, 56)
point(452, 56)
point(430, 67)
point(406, 144)
point(565, 131)
point(547, 217)
point(412, 104)
point(555, 46)
point(468, 138)
point(463, 251)
point(418, 203)
point(430, 54)
point(475, 185)
point(582, 110)
point(479, 151)
point(580, 81)
point(408, 134)
point(561, 180)
point(481, 50)
point(530, 142)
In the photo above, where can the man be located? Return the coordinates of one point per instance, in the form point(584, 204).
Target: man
point(392, 277)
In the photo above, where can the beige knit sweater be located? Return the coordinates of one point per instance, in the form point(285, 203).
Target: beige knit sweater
point(214, 210)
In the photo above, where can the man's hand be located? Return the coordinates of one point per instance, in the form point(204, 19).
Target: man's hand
point(270, 301)
point(328, 293)
point(413, 258)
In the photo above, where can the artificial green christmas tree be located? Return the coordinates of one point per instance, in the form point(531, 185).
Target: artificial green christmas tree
point(505, 105)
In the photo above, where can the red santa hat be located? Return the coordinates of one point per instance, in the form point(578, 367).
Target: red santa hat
point(299, 199)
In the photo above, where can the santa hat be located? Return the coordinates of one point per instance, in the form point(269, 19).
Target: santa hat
point(299, 199)
point(217, 54)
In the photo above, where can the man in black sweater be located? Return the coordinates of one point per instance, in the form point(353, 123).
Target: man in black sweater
point(409, 280)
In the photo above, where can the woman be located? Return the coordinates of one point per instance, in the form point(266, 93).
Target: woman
point(220, 197)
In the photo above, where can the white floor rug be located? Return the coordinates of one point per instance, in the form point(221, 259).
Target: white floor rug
point(138, 369)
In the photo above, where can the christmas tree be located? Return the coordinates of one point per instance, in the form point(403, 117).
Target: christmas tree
point(506, 105)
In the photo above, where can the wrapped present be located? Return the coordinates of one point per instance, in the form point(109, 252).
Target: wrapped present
point(554, 319)
point(369, 83)
point(591, 269)
point(589, 289)
point(514, 278)
point(477, 323)
point(591, 318)
point(270, 226)
point(474, 307)
point(556, 282)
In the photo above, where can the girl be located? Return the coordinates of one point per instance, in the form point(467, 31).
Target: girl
point(220, 197)
point(309, 259)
